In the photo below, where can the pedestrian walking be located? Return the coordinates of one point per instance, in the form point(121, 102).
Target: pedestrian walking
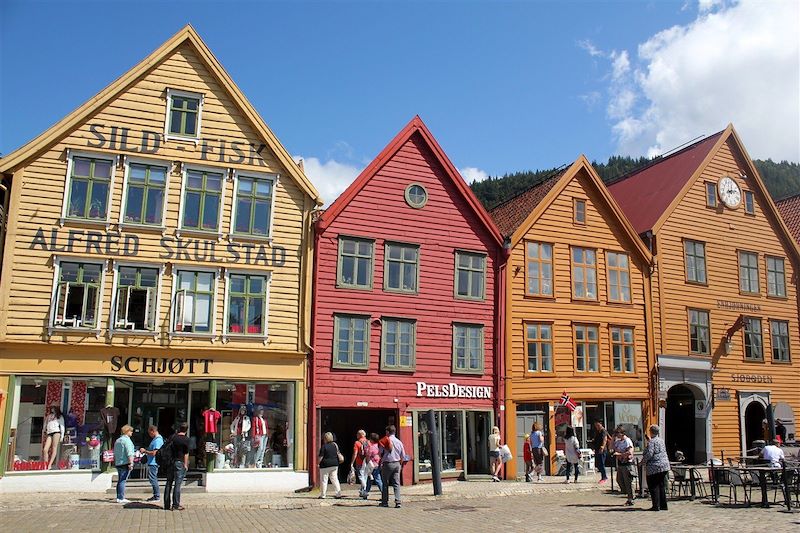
point(156, 441)
point(371, 472)
point(495, 461)
point(329, 459)
point(657, 468)
point(599, 446)
point(572, 452)
point(179, 447)
point(537, 450)
point(359, 454)
point(527, 456)
point(626, 470)
point(123, 460)
point(393, 455)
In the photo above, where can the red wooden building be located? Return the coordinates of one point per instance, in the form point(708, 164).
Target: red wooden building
point(406, 310)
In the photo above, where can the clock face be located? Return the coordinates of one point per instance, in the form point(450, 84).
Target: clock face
point(729, 192)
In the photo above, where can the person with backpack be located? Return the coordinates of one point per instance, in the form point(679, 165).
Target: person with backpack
point(359, 454)
point(156, 442)
point(174, 456)
point(371, 472)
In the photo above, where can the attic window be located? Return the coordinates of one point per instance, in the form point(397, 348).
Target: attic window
point(579, 211)
point(183, 114)
point(416, 196)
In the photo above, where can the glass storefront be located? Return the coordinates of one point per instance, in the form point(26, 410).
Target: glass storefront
point(612, 414)
point(463, 441)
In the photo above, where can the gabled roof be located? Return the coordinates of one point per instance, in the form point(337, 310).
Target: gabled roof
point(646, 194)
point(520, 213)
point(789, 209)
point(188, 34)
point(415, 127)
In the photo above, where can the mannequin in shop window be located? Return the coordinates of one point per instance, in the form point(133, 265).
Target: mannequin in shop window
point(208, 423)
point(54, 432)
point(240, 432)
point(260, 437)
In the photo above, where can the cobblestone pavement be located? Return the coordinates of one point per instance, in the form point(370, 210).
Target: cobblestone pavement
point(507, 506)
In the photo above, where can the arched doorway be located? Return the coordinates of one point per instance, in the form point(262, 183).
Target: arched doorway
point(680, 423)
point(754, 416)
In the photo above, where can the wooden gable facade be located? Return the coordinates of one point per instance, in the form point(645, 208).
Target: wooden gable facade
point(413, 326)
point(577, 312)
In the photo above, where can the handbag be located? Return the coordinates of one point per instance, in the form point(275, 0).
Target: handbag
point(339, 454)
point(545, 453)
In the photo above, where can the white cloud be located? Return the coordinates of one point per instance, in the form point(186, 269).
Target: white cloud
point(587, 45)
point(736, 62)
point(330, 177)
point(471, 174)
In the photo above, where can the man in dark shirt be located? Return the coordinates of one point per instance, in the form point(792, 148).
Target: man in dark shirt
point(175, 473)
point(599, 446)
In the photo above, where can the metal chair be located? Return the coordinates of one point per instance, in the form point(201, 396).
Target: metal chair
point(679, 483)
point(699, 484)
point(735, 480)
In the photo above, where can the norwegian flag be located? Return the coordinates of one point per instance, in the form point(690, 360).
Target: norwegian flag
point(567, 402)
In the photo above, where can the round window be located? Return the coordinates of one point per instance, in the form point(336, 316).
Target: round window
point(416, 195)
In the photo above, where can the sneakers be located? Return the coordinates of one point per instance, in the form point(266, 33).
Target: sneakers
point(153, 499)
point(179, 508)
point(567, 482)
point(383, 504)
point(338, 496)
point(397, 505)
point(539, 478)
point(495, 479)
point(123, 501)
point(602, 482)
point(629, 502)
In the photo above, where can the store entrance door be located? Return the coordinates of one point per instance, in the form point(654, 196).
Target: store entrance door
point(164, 406)
point(533, 413)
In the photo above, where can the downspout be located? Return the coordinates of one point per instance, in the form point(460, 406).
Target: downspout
point(312, 374)
point(504, 344)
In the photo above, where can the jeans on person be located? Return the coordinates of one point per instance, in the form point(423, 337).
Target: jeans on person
point(332, 473)
point(175, 477)
point(362, 474)
point(390, 472)
point(569, 467)
point(625, 475)
point(262, 447)
point(122, 477)
point(152, 476)
point(656, 483)
point(600, 463)
point(376, 479)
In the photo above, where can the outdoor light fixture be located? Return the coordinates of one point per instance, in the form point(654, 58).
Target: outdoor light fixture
point(728, 346)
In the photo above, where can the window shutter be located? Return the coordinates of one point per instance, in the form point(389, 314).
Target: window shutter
point(150, 311)
point(121, 316)
point(180, 298)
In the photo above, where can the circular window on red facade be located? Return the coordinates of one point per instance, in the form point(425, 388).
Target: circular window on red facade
point(416, 196)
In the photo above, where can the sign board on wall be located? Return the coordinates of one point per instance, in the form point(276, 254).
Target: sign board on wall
point(452, 390)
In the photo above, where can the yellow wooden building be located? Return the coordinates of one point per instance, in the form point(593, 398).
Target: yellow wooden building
point(577, 315)
point(725, 298)
point(157, 262)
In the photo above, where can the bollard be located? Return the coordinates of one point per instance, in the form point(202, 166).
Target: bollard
point(436, 460)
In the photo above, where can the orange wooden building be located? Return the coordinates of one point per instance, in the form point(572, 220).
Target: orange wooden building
point(725, 297)
point(577, 313)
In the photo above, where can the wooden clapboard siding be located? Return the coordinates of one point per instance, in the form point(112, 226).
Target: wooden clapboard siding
point(39, 195)
point(447, 223)
point(726, 231)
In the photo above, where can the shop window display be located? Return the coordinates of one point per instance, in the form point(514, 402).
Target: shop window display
point(56, 424)
point(449, 428)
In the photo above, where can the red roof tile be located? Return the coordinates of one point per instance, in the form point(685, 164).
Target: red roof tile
point(645, 194)
point(510, 215)
point(790, 211)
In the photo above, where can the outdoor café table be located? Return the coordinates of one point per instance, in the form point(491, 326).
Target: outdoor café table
point(692, 478)
point(764, 470)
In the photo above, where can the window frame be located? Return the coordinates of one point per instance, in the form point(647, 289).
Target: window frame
point(707, 327)
point(582, 266)
point(51, 326)
point(468, 371)
point(218, 232)
point(541, 262)
point(367, 334)
point(788, 359)
point(694, 244)
point(267, 275)
point(745, 339)
point(620, 271)
point(712, 199)
point(575, 211)
point(340, 284)
point(622, 328)
point(472, 253)
point(588, 343)
point(407, 196)
point(71, 155)
point(176, 270)
point(739, 254)
point(539, 341)
point(386, 260)
point(749, 198)
point(130, 160)
point(782, 260)
point(412, 366)
point(112, 329)
point(169, 136)
point(274, 179)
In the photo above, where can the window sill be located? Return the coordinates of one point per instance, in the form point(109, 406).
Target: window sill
point(337, 366)
point(353, 287)
point(181, 138)
point(142, 227)
point(697, 283)
point(53, 330)
point(748, 360)
point(198, 233)
point(133, 333)
point(538, 374)
point(776, 362)
point(87, 222)
point(243, 237)
point(400, 291)
point(185, 335)
point(398, 370)
point(470, 298)
point(460, 372)
point(542, 297)
point(777, 297)
point(754, 294)
point(264, 339)
point(586, 300)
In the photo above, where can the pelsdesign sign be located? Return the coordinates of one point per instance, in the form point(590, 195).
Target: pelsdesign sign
point(453, 390)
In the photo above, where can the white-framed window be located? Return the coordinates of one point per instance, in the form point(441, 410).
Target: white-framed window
point(468, 349)
point(194, 301)
point(253, 210)
point(137, 289)
point(184, 115)
point(77, 294)
point(247, 303)
point(88, 186)
point(145, 192)
point(202, 199)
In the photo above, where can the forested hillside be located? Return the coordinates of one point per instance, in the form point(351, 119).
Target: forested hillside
point(782, 179)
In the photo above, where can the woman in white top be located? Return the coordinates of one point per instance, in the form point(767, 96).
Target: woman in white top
point(54, 432)
point(572, 450)
point(495, 462)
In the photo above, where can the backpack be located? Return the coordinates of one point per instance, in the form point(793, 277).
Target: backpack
point(363, 449)
point(165, 456)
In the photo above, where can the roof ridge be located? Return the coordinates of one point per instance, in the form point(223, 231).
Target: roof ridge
point(659, 159)
point(551, 174)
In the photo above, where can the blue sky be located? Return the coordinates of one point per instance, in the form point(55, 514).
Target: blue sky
point(504, 86)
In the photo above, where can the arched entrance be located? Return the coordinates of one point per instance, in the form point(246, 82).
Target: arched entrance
point(754, 416)
point(680, 423)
